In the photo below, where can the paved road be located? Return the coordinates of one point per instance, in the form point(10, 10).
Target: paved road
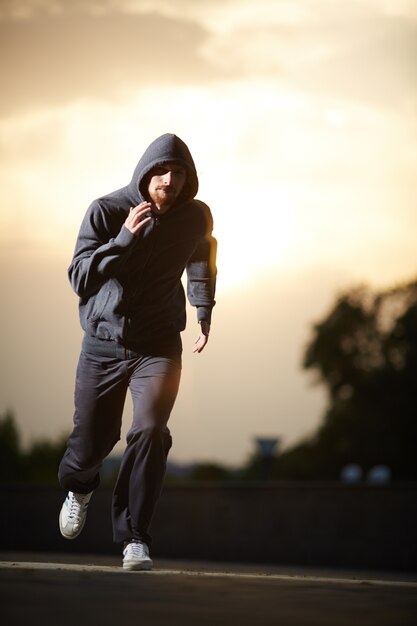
point(67, 590)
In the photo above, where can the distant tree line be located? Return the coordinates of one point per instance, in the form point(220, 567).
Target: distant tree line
point(37, 465)
point(364, 352)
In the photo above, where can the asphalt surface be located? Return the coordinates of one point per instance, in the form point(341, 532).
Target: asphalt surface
point(94, 590)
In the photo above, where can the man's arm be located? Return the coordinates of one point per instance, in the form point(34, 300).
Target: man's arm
point(98, 254)
point(201, 284)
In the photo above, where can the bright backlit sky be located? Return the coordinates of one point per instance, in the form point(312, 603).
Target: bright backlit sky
point(301, 117)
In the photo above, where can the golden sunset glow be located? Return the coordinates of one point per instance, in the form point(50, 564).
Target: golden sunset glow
point(301, 117)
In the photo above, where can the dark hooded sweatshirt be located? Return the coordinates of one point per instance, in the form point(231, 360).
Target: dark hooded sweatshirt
point(129, 285)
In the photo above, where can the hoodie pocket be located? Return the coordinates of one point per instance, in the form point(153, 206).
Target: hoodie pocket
point(100, 302)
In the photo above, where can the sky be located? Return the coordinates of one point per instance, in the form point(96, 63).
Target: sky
point(301, 117)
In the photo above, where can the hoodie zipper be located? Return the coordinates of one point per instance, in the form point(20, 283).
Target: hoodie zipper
point(135, 292)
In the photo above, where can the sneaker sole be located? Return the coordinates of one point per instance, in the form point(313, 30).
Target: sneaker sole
point(141, 566)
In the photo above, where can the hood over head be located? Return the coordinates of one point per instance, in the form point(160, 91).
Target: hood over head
point(167, 148)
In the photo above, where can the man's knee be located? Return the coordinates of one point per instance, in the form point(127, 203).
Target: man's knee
point(151, 435)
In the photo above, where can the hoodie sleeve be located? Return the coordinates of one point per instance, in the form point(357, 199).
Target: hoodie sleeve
point(98, 254)
point(201, 272)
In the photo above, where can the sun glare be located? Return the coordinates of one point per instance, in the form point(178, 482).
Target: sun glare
point(253, 235)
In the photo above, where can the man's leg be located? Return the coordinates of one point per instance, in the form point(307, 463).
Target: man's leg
point(100, 392)
point(154, 386)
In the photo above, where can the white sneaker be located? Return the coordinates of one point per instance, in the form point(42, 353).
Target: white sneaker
point(136, 556)
point(73, 514)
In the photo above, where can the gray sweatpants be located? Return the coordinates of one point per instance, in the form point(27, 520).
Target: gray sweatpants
point(100, 392)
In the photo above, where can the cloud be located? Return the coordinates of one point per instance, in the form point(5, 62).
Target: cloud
point(55, 59)
point(53, 52)
point(376, 65)
point(355, 52)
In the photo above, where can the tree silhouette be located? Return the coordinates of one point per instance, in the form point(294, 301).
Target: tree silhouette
point(365, 352)
point(11, 461)
point(39, 465)
point(42, 460)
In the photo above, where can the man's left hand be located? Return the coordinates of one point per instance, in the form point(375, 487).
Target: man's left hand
point(202, 338)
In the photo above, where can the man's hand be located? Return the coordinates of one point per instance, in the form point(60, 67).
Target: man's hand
point(136, 219)
point(202, 338)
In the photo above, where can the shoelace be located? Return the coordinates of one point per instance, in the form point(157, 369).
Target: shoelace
point(77, 504)
point(136, 550)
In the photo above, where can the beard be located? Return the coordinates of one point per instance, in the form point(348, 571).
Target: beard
point(164, 197)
